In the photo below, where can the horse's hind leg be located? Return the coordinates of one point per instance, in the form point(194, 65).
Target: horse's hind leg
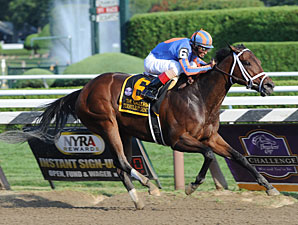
point(127, 144)
point(126, 180)
point(112, 137)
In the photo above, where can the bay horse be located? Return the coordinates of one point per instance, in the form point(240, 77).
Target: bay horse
point(189, 116)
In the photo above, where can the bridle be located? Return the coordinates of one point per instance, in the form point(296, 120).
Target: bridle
point(248, 79)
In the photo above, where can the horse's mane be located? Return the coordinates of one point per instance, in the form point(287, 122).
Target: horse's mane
point(224, 52)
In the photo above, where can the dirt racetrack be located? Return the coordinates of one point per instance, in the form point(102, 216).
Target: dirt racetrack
point(214, 207)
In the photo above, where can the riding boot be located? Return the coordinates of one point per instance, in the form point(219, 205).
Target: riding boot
point(151, 90)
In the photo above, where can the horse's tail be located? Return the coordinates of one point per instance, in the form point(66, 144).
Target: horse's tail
point(56, 113)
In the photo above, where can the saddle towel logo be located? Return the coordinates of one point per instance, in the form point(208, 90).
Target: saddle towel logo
point(130, 99)
point(270, 154)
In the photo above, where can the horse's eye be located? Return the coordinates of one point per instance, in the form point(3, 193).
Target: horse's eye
point(246, 63)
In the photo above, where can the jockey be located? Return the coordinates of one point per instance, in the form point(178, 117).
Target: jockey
point(175, 56)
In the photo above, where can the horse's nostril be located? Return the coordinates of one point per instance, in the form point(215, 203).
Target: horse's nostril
point(269, 85)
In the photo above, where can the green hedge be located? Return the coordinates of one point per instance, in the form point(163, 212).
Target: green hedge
point(27, 43)
point(145, 6)
point(275, 56)
point(102, 63)
point(33, 83)
point(18, 52)
point(39, 44)
point(144, 31)
point(224, 4)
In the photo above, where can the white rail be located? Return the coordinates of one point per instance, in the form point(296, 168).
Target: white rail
point(258, 100)
point(21, 92)
point(229, 101)
point(276, 89)
point(54, 76)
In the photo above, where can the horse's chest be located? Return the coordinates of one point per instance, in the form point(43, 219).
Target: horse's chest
point(202, 127)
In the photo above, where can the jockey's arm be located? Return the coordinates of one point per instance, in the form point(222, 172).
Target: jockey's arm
point(200, 62)
point(193, 70)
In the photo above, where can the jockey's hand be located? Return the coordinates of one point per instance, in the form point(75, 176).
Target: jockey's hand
point(212, 63)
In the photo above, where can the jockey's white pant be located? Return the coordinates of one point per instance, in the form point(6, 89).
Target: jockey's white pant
point(158, 66)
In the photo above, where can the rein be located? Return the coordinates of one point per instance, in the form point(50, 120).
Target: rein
point(230, 75)
point(248, 78)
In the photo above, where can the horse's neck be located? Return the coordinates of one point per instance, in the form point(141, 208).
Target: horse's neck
point(212, 88)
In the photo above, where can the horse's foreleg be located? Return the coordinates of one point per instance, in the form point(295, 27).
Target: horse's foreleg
point(224, 149)
point(190, 144)
point(208, 157)
point(236, 156)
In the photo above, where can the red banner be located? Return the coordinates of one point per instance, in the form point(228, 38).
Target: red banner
point(109, 9)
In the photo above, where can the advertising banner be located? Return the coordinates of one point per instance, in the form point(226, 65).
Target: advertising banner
point(80, 155)
point(271, 148)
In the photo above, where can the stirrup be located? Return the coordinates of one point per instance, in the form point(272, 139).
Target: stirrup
point(149, 95)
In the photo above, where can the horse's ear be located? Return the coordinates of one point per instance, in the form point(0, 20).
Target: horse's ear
point(233, 49)
point(228, 44)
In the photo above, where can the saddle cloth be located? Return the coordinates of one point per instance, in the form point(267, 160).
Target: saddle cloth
point(131, 101)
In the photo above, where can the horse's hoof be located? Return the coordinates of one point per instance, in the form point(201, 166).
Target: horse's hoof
point(272, 192)
point(154, 192)
point(191, 188)
point(139, 205)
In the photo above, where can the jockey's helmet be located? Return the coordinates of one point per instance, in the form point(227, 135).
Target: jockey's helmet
point(201, 38)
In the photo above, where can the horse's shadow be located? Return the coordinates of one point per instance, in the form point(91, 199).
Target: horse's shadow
point(30, 200)
point(34, 201)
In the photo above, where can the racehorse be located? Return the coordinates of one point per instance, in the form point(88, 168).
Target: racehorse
point(189, 116)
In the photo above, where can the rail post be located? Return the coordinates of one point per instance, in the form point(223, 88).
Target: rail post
point(178, 170)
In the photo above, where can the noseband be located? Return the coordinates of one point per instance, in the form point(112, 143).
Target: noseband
point(248, 78)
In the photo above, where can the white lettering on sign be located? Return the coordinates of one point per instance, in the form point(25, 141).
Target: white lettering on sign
point(74, 143)
point(56, 173)
point(106, 3)
point(74, 174)
point(110, 9)
point(100, 173)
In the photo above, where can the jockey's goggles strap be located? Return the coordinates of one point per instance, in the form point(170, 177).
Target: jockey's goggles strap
point(244, 72)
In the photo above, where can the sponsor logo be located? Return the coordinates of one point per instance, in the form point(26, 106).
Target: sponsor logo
point(80, 143)
point(128, 91)
point(269, 153)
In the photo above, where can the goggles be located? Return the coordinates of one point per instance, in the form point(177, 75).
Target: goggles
point(203, 49)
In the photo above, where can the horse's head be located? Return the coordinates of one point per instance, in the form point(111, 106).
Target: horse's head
point(246, 70)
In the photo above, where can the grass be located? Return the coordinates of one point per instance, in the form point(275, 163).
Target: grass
point(20, 53)
point(23, 173)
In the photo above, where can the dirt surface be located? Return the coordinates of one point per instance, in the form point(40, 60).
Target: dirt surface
point(216, 207)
